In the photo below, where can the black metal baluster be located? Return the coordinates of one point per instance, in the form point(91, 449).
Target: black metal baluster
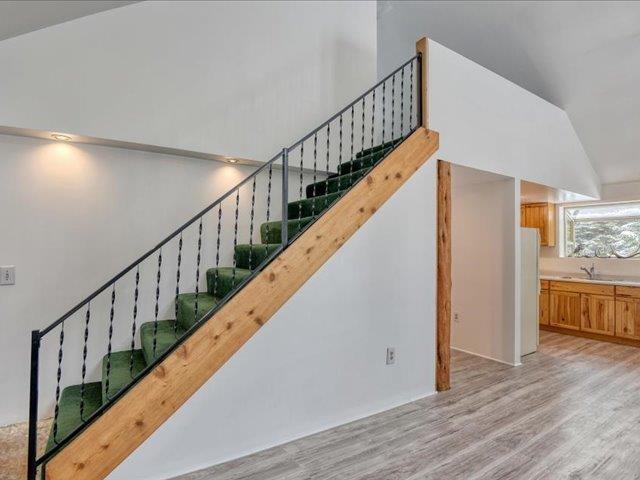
point(373, 117)
point(352, 157)
point(58, 377)
point(326, 185)
point(111, 314)
point(411, 99)
point(84, 359)
point(362, 138)
point(393, 109)
point(175, 302)
point(253, 204)
point(402, 103)
point(135, 316)
point(315, 173)
point(157, 307)
point(215, 278)
point(195, 310)
point(269, 203)
point(384, 109)
point(301, 182)
point(235, 239)
point(340, 148)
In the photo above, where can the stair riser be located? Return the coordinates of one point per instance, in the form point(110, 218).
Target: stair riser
point(363, 162)
point(335, 184)
point(271, 232)
point(311, 207)
point(221, 282)
point(250, 257)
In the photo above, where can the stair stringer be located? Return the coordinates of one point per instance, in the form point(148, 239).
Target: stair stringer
point(112, 437)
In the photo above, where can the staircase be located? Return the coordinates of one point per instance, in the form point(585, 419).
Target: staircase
point(97, 424)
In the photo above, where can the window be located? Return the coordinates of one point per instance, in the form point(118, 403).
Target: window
point(605, 230)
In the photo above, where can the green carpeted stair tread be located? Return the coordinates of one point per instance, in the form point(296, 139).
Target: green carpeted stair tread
point(69, 409)
point(270, 232)
point(187, 308)
point(335, 184)
point(383, 146)
point(222, 280)
point(310, 207)
point(362, 162)
point(120, 373)
point(167, 335)
point(251, 256)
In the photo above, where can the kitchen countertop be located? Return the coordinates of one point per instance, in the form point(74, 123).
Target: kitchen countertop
point(599, 279)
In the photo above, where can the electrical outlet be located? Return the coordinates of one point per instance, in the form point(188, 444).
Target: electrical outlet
point(456, 317)
point(391, 355)
point(8, 275)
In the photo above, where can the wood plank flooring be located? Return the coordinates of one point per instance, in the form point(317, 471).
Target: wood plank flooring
point(572, 411)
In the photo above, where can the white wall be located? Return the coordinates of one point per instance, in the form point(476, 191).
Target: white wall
point(320, 361)
point(484, 267)
point(233, 78)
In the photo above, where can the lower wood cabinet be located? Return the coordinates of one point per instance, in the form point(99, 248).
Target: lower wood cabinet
point(628, 318)
point(565, 310)
point(544, 308)
point(598, 314)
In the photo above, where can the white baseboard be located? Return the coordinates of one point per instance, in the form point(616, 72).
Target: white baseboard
point(511, 364)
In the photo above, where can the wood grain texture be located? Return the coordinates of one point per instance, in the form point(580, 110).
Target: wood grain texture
point(571, 411)
point(577, 287)
point(422, 47)
point(627, 292)
point(564, 309)
point(543, 217)
point(598, 314)
point(132, 419)
point(443, 353)
point(544, 284)
point(628, 318)
point(544, 307)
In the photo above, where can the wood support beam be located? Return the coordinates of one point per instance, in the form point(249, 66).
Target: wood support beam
point(112, 437)
point(422, 47)
point(443, 354)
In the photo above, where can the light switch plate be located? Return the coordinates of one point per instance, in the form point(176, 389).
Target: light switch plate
point(8, 275)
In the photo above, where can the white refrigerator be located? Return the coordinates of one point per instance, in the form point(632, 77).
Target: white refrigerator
point(530, 289)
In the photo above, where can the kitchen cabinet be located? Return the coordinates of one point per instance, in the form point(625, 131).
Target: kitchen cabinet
point(628, 318)
point(598, 314)
point(544, 302)
point(543, 217)
point(564, 309)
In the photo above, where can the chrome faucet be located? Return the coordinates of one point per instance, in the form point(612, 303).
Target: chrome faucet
point(591, 272)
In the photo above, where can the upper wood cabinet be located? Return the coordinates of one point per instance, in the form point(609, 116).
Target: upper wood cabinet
point(543, 217)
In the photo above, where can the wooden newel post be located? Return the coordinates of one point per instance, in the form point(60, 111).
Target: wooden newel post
point(443, 321)
point(422, 47)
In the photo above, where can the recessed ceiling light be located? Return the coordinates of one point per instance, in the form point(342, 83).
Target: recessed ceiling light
point(60, 136)
point(231, 160)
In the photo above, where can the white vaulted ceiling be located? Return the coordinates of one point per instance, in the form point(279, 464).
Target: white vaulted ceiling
point(581, 56)
point(24, 16)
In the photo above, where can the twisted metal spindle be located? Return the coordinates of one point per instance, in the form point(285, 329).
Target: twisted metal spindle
point(195, 309)
point(315, 172)
point(235, 239)
point(216, 274)
point(175, 302)
point(58, 377)
point(157, 307)
point(135, 316)
point(301, 181)
point(111, 315)
point(326, 185)
point(340, 147)
point(402, 103)
point(362, 137)
point(411, 98)
point(352, 157)
point(373, 117)
point(84, 359)
point(269, 205)
point(253, 205)
point(384, 109)
point(393, 108)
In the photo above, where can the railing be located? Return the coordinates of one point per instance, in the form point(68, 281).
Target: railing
point(151, 286)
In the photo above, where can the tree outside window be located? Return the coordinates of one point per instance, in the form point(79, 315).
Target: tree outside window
point(605, 230)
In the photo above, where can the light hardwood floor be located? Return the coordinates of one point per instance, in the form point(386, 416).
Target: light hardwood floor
point(572, 411)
